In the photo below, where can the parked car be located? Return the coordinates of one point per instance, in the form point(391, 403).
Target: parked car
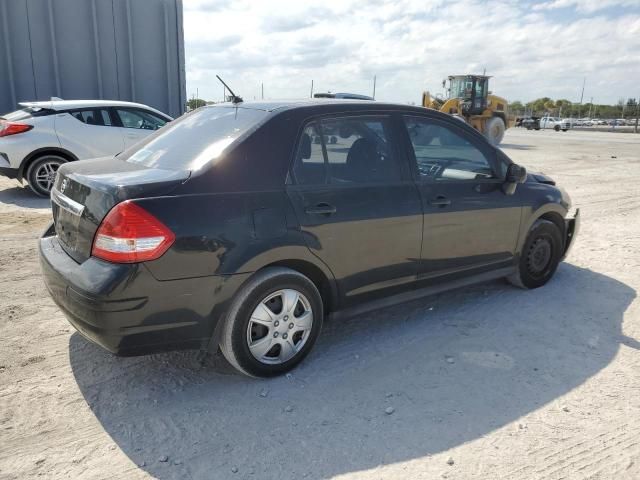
point(232, 228)
point(41, 136)
point(343, 96)
point(555, 123)
point(531, 123)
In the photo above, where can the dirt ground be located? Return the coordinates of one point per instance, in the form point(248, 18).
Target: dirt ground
point(489, 382)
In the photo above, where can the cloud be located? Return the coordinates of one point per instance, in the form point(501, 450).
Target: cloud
point(585, 6)
point(286, 23)
point(544, 49)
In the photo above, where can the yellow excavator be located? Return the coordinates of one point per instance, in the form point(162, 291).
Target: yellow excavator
point(469, 99)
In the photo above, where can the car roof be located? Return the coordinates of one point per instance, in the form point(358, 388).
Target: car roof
point(323, 103)
point(320, 106)
point(72, 104)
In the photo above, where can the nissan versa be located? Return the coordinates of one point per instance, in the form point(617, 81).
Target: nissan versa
point(242, 225)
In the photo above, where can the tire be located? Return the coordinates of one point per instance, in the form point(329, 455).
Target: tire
point(254, 335)
point(541, 254)
point(557, 128)
point(494, 130)
point(42, 172)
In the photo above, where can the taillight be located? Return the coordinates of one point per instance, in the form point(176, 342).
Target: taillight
point(12, 128)
point(130, 234)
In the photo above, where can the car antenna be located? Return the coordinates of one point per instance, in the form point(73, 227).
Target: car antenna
point(234, 98)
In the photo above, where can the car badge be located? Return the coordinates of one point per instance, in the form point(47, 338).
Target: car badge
point(63, 185)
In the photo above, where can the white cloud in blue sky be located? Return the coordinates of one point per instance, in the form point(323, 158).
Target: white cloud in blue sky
point(532, 49)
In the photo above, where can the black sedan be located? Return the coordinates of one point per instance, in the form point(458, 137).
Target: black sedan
point(242, 226)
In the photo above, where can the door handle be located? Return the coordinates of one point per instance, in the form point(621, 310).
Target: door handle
point(321, 209)
point(440, 201)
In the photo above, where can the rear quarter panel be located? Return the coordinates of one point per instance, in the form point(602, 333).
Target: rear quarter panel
point(42, 135)
point(227, 233)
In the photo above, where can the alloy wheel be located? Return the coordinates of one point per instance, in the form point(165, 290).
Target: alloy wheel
point(45, 174)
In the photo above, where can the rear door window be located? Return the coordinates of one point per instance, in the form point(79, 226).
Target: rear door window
point(93, 116)
point(346, 150)
point(359, 150)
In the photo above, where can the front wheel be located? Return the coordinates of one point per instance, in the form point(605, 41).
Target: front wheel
point(42, 173)
point(557, 128)
point(494, 130)
point(272, 323)
point(540, 256)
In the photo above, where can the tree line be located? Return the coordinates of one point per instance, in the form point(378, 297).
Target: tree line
point(625, 108)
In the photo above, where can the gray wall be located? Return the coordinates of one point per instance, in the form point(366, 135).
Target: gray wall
point(92, 49)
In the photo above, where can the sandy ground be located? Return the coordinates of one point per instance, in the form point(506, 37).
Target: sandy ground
point(487, 382)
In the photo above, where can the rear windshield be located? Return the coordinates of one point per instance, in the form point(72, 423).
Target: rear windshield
point(25, 113)
point(194, 140)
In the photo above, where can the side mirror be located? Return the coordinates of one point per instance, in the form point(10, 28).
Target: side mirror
point(515, 174)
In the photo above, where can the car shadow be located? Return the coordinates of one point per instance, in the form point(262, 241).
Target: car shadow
point(453, 367)
point(22, 196)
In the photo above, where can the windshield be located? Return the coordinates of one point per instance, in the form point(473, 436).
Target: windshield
point(481, 87)
point(461, 88)
point(194, 140)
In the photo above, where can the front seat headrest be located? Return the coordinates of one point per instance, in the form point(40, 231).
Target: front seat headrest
point(361, 159)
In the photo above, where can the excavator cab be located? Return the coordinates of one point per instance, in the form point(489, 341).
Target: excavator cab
point(469, 99)
point(471, 91)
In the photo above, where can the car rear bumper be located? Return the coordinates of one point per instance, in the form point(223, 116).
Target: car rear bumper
point(572, 227)
point(5, 167)
point(125, 310)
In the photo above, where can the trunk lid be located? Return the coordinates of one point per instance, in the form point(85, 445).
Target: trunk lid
point(85, 191)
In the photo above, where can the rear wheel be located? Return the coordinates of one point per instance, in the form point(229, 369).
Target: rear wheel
point(42, 173)
point(494, 130)
point(540, 256)
point(273, 323)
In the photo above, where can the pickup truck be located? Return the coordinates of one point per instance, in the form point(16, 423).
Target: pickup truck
point(555, 123)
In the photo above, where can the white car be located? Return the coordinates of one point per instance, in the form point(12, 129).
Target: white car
point(555, 123)
point(41, 136)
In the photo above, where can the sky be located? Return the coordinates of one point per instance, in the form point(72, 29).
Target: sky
point(532, 49)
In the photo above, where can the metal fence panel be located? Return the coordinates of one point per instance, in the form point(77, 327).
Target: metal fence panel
point(86, 49)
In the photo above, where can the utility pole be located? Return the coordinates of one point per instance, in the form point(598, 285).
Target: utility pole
point(584, 80)
point(311, 94)
point(637, 114)
point(197, 98)
point(590, 105)
point(262, 90)
point(374, 87)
